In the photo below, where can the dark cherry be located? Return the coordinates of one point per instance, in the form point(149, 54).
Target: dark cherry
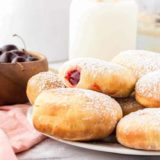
point(74, 77)
point(18, 59)
point(16, 56)
point(11, 54)
point(31, 58)
point(7, 57)
point(9, 47)
point(19, 53)
point(1, 52)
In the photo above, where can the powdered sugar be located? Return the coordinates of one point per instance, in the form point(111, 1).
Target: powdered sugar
point(140, 130)
point(149, 85)
point(149, 117)
point(48, 80)
point(95, 65)
point(140, 62)
point(76, 114)
point(103, 76)
point(94, 101)
point(144, 126)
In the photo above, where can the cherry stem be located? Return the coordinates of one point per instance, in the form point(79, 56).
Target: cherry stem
point(16, 35)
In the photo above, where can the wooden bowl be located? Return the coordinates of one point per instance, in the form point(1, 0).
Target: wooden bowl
point(14, 77)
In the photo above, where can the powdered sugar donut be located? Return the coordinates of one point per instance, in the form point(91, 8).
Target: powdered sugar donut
point(40, 82)
point(140, 130)
point(148, 90)
point(99, 75)
point(75, 114)
point(129, 105)
point(139, 62)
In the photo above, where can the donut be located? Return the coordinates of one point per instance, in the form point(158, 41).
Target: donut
point(75, 114)
point(129, 105)
point(40, 82)
point(148, 89)
point(98, 75)
point(140, 62)
point(140, 130)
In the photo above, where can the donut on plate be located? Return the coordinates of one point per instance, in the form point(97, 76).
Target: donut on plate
point(98, 75)
point(40, 82)
point(75, 114)
point(140, 130)
point(129, 105)
point(139, 62)
point(148, 89)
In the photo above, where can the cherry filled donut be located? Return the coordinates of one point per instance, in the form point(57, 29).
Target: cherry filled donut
point(129, 105)
point(140, 130)
point(140, 62)
point(75, 114)
point(148, 90)
point(42, 81)
point(98, 75)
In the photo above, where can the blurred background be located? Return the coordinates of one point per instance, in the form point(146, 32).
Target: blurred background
point(44, 25)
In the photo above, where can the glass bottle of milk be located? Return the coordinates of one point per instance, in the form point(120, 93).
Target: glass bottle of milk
point(102, 28)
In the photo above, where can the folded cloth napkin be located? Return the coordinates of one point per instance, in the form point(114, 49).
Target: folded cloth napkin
point(16, 133)
point(6, 151)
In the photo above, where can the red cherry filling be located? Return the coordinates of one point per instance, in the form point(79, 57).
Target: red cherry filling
point(96, 87)
point(73, 77)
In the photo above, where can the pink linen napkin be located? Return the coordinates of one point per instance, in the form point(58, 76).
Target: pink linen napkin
point(16, 133)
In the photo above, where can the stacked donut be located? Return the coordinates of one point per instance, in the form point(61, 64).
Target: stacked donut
point(90, 98)
point(140, 130)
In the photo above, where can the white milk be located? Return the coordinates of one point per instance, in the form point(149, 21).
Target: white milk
point(102, 28)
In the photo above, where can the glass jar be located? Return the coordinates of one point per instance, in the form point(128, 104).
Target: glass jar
point(149, 25)
point(102, 28)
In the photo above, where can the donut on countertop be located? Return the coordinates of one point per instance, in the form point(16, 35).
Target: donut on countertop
point(75, 114)
point(129, 105)
point(140, 130)
point(139, 62)
point(148, 89)
point(42, 81)
point(94, 74)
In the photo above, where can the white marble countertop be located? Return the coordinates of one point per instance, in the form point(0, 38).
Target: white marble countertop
point(52, 150)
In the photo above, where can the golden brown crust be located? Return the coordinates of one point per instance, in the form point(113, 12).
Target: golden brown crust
point(147, 90)
point(140, 62)
point(148, 102)
point(140, 130)
point(106, 77)
point(75, 114)
point(40, 82)
point(129, 105)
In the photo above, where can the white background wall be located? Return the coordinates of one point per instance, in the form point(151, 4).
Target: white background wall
point(43, 24)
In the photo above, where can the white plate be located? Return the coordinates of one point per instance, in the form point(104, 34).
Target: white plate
point(109, 145)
